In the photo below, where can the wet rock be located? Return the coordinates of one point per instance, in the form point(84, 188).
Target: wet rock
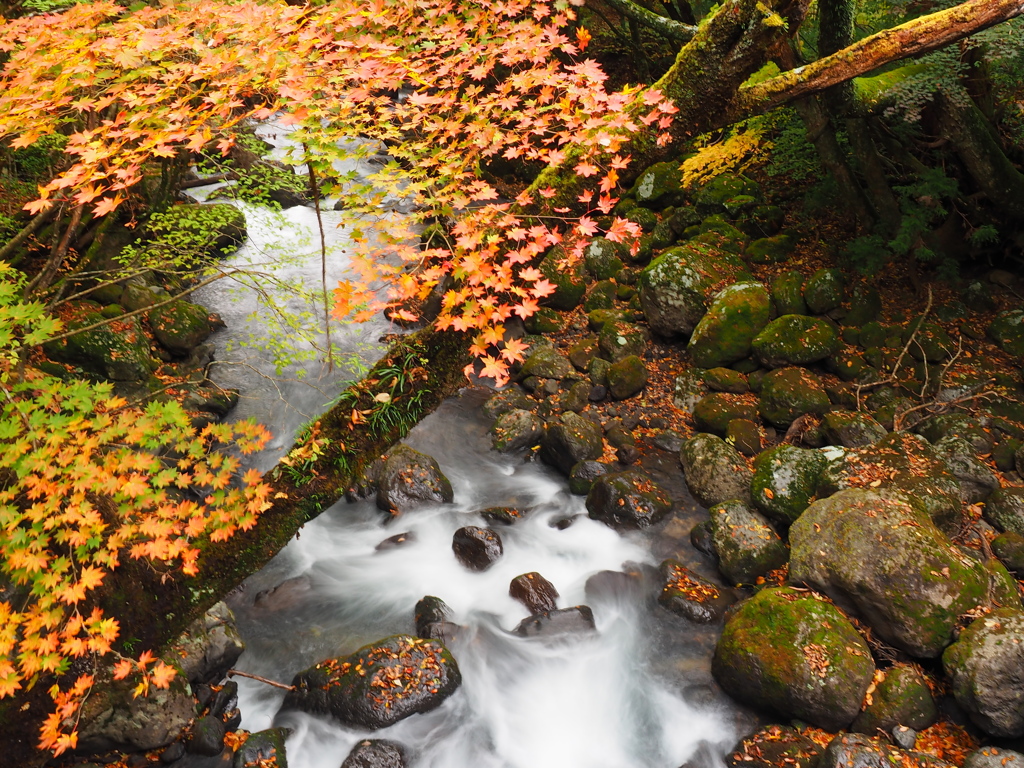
point(535, 592)
point(668, 440)
point(726, 380)
point(401, 676)
point(409, 478)
point(583, 475)
point(746, 545)
point(700, 538)
point(393, 542)
point(855, 750)
point(993, 757)
point(546, 363)
point(851, 429)
point(1005, 510)
point(566, 621)
point(477, 548)
point(207, 736)
point(714, 412)
point(793, 653)
point(627, 500)
point(569, 440)
point(737, 314)
point(209, 647)
point(626, 377)
point(376, 753)
point(985, 667)
point(286, 594)
point(744, 435)
point(823, 291)
point(795, 340)
point(628, 585)
point(789, 393)
point(180, 326)
point(773, 746)
point(901, 698)
point(785, 481)
point(262, 746)
point(569, 281)
point(516, 429)
point(886, 559)
point(676, 287)
point(714, 470)
point(692, 597)
point(502, 515)
point(788, 293)
point(433, 620)
point(977, 481)
point(509, 400)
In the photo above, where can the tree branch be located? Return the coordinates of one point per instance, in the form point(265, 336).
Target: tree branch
point(917, 37)
point(663, 25)
point(40, 220)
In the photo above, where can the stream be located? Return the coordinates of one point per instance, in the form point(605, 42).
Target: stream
point(635, 694)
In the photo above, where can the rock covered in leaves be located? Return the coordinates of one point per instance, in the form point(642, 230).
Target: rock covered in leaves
point(785, 481)
point(379, 684)
point(691, 596)
point(118, 350)
point(993, 757)
point(516, 429)
point(676, 287)
point(901, 697)
point(886, 559)
point(714, 470)
point(408, 478)
point(477, 548)
point(985, 667)
point(262, 747)
point(180, 326)
point(855, 750)
point(795, 340)
point(723, 336)
point(746, 545)
point(627, 500)
point(776, 745)
point(794, 653)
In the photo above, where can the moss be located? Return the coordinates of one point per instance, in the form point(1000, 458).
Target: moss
point(785, 481)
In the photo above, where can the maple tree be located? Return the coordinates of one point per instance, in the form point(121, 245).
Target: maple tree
point(444, 89)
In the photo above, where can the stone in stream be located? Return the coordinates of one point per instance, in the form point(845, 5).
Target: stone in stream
point(477, 548)
point(408, 478)
point(262, 747)
point(535, 592)
point(393, 542)
point(285, 595)
point(432, 620)
point(210, 646)
point(516, 429)
point(180, 326)
point(207, 737)
point(628, 585)
point(773, 746)
point(746, 545)
point(627, 500)
point(378, 685)
point(376, 753)
point(565, 621)
point(785, 481)
point(570, 439)
point(855, 750)
point(794, 653)
point(687, 594)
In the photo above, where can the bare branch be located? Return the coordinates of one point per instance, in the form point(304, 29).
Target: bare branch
point(663, 25)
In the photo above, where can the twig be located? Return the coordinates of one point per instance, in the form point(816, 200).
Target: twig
point(235, 672)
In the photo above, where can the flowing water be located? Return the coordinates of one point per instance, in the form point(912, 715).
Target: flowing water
point(635, 694)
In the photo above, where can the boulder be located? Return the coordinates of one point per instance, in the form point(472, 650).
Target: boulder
point(726, 380)
point(118, 351)
point(788, 293)
point(583, 475)
point(688, 390)
point(568, 279)
point(209, 647)
point(714, 412)
point(546, 363)
point(823, 291)
point(604, 258)
point(746, 545)
point(477, 548)
point(676, 287)
point(794, 653)
point(718, 193)
point(1005, 509)
point(661, 183)
point(432, 618)
point(627, 500)
point(851, 429)
point(207, 736)
point(510, 399)
point(993, 757)
point(626, 377)
point(180, 326)
point(582, 352)
point(409, 478)
point(692, 597)
point(535, 592)
point(1007, 330)
point(714, 470)
point(795, 340)
point(745, 435)
point(865, 306)
point(902, 697)
point(569, 440)
point(261, 747)
point(516, 429)
point(931, 342)
point(789, 393)
point(601, 297)
point(774, 746)
point(566, 621)
point(375, 753)
point(770, 250)
point(737, 314)
point(855, 750)
point(875, 553)
point(785, 481)
point(1009, 548)
point(618, 340)
point(977, 481)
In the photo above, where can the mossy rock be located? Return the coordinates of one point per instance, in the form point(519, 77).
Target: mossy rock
point(785, 481)
point(771, 250)
point(823, 291)
point(604, 258)
point(746, 545)
point(118, 350)
point(714, 412)
point(852, 429)
point(720, 225)
point(582, 352)
point(516, 429)
point(885, 558)
point(626, 377)
point(644, 218)
point(180, 326)
point(618, 340)
point(712, 196)
point(873, 334)
point(795, 340)
point(545, 320)
point(569, 280)
point(661, 184)
point(685, 593)
point(789, 393)
point(726, 380)
point(901, 698)
point(569, 440)
point(1007, 330)
point(724, 335)
point(546, 363)
point(1009, 548)
point(745, 436)
point(599, 318)
point(793, 653)
point(676, 287)
point(865, 306)
point(688, 390)
point(380, 684)
point(1005, 509)
point(600, 296)
point(627, 500)
point(714, 470)
point(787, 291)
point(848, 366)
point(977, 480)
point(931, 342)
point(774, 746)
